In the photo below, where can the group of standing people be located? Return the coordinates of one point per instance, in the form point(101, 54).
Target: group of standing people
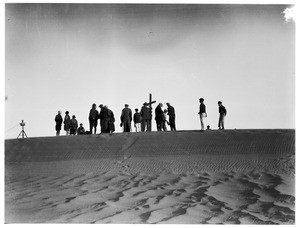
point(203, 114)
point(161, 117)
point(141, 119)
point(106, 116)
point(70, 124)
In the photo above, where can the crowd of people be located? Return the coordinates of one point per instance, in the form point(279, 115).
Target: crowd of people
point(141, 119)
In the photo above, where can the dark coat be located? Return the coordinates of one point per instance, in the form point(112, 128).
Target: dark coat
point(171, 111)
point(202, 108)
point(93, 114)
point(137, 117)
point(111, 123)
point(222, 110)
point(145, 113)
point(103, 113)
point(159, 114)
point(67, 123)
point(126, 115)
point(58, 120)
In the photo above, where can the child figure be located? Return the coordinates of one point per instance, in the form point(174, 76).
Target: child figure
point(81, 130)
point(137, 120)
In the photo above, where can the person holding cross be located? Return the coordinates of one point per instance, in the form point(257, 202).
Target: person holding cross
point(146, 117)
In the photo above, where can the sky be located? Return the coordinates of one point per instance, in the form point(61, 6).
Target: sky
point(68, 56)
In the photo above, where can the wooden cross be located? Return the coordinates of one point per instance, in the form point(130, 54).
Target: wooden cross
point(150, 105)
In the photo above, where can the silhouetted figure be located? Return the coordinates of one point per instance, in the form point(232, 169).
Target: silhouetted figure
point(67, 123)
point(137, 119)
point(126, 118)
point(222, 112)
point(165, 122)
point(104, 119)
point(58, 120)
point(111, 121)
point(81, 130)
point(73, 125)
point(202, 113)
point(159, 116)
point(171, 113)
point(93, 118)
point(146, 117)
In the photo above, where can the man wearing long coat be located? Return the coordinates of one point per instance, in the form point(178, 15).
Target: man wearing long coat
point(126, 118)
point(159, 116)
point(171, 114)
point(146, 117)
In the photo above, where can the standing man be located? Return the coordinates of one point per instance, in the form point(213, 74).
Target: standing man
point(146, 117)
point(126, 118)
point(58, 120)
point(104, 118)
point(222, 112)
point(93, 119)
point(159, 116)
point(171, 113)
point(202, 113)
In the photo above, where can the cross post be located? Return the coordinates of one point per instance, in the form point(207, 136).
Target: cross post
point(150, 106)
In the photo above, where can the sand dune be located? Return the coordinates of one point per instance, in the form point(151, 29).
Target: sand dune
point(212, 177)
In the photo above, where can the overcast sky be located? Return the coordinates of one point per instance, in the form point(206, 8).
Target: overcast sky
point(69, 56)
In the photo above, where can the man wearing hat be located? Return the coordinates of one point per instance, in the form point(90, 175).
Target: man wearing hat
point(146, 117)
point(67, 123)
point(73, 125)
point(58, 121)
point(104, 118)
point(126, 118)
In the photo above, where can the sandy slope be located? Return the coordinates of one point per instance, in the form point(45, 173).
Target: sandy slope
point(237, 176)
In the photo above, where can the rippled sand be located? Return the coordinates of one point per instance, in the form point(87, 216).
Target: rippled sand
point(215, 177)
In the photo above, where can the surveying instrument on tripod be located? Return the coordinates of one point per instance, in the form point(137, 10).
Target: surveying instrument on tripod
point(22, 132)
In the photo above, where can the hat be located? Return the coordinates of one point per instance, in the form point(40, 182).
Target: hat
point(67, 112)
point(136, 109)
point(201, 99)
point(145, 103)
point(101, 105)
point(126, 105)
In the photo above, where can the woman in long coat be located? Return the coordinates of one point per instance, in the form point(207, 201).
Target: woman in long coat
point(67, 123)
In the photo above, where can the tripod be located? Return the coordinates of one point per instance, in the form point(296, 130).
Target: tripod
point(23, 133)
